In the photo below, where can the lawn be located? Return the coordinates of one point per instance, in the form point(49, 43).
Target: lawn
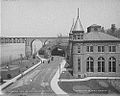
point(93, 86)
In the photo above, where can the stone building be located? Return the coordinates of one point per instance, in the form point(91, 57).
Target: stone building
point(93, 53)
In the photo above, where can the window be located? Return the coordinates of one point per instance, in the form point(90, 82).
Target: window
point(101, 64)
point(90, 64)
point(74, 36)
point(81, 36)
point(78, 49)
point(78, 36)
point(95, 29)
point(112, 48)
point(14, 41)
point(112, 64)
point(70, 37)
point(89, 48)
point(79, 64)
point(101, 48)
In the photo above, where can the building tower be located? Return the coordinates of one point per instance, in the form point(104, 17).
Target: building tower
point(76, 34)
point(69, 55)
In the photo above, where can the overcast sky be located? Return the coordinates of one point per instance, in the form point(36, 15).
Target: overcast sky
point(51, 17)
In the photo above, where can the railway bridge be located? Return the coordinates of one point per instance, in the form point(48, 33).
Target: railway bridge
point(49, 42)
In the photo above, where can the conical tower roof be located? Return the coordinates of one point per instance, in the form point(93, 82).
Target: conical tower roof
point(72, 27)
point(78, 25)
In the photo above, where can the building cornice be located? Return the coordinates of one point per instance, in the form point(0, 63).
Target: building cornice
point(94, 41)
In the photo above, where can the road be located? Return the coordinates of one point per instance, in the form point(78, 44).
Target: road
point(37, 82)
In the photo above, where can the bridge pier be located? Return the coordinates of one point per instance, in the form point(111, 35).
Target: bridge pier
point(28, 49)
point(28, 52)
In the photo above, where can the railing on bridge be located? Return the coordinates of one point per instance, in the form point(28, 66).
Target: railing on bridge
point(24, 39)
point(12, 40)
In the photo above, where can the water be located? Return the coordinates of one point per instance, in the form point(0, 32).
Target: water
point(11, 52)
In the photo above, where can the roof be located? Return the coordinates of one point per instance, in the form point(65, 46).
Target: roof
point(99, 36)
point(78, 25)
point(72, 27)
point(94, 25)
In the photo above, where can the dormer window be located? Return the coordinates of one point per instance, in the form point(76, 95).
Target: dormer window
point(95, 29)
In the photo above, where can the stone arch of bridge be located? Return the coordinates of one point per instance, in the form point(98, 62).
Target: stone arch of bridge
point(58, 50)
point(35, 45)
point(29, 45)
point(43, 42)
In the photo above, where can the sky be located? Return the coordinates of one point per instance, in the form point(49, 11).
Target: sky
point(48, 18)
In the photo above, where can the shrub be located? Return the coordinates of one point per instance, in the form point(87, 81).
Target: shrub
point(9, 76)
point(34, 56)
point(1, 80)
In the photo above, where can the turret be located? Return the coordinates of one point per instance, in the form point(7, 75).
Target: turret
point(71, 34)
point(78, 29)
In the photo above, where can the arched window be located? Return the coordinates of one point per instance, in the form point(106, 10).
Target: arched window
point(112, 64)
point(90, 64)
point(101, 64)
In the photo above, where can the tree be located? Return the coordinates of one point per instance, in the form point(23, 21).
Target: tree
point(41, 52)
point(34, 56)
point(113, 31)
point(113, 28)
point(1, 80)
point(59, 35)
point(102, 29)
